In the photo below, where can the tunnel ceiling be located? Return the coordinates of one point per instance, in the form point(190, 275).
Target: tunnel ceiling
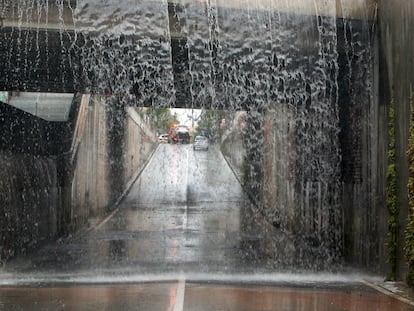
point(177, 61)
point(66, 15)
point(48, 106)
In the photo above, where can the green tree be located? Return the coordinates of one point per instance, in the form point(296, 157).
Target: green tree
point(392, 196)
point(209, 123)
point(161, 118)
point(409, 232)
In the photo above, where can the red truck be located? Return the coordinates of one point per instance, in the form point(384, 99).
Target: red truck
point(179, 134)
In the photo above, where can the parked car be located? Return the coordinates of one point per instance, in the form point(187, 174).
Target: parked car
point(200, 143)
point(163, 138)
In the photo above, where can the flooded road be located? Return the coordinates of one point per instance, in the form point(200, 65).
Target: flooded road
point(185, 233)
point(178, 296)
point(185, 213)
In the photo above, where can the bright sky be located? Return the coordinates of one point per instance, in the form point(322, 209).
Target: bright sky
point(185, 116)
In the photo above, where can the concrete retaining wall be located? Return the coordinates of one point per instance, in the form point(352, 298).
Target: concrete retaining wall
point(115, 145)
point(140, 143)
point(363, 142)
point(279, 162)
point(89, 186)
point(232, 145)
point(44, 196)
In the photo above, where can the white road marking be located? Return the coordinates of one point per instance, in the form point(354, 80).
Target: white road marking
point(185, 215)
point(179, 304)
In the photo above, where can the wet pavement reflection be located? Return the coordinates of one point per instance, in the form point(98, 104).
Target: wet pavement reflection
point(130, 297)
point(185, 216)
point(198, 297)
point(337, 298)
point(186, 213)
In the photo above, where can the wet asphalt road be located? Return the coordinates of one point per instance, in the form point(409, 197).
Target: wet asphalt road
point(186, 217)
point(185, 213)
point(180, 296)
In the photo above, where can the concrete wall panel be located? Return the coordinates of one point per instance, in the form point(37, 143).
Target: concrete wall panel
point(115, 144)
point(396, 25)
point(90, 181)
point(42, 197)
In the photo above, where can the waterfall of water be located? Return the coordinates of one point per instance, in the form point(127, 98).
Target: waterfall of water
point(126, 50)
point(277, 60)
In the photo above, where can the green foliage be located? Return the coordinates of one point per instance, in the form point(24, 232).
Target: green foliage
point(209, 123)
point(409, 232)
point(392, 196)
point(161, 118)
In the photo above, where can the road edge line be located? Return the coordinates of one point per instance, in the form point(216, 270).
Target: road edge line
point(128, 187)
point(179, 305)
point(388, 293)
point(134, 178)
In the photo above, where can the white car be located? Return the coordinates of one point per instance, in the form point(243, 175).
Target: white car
point(163, 138)
point(200, 143)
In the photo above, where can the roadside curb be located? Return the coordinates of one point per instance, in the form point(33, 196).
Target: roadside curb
point(386, 291)
point(134, 178)
point(230, 166)
point(115, 206)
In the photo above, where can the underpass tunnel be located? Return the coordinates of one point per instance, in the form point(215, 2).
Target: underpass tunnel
point(295, 87)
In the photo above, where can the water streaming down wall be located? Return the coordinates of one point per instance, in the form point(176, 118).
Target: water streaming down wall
point(29, 201)
point(363, 120)
point(312, 140)
point(121, 55)
point(36, 46)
